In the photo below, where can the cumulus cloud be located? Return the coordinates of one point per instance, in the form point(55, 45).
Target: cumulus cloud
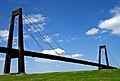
point(112, 24)
point(104, 31)
point(61, 53)
point(37, 27)
point(73, 55)
point(15, 40)
point(38, 20)
point(60, 40)
point(73, 38)
point(76, 55)
point(53, 52)
point(34, 18)
point(68, 40)
point(56, 35)
point(25, 36)
point(44, 60)
point(4, 34)
point(92, 31)
point(47, 39)
point(115, 11)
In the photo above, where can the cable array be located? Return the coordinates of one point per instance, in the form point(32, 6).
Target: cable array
point(42, 37)
point(112, 59)
point(50, 37)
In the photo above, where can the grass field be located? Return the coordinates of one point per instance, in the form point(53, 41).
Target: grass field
point(93, 75)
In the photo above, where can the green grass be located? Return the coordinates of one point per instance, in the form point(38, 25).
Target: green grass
point(93, 75)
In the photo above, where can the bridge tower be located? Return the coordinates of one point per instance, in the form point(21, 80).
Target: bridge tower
point(106, 56)
point(21, 67)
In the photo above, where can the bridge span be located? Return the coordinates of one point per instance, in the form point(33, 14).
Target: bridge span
point(14, 54)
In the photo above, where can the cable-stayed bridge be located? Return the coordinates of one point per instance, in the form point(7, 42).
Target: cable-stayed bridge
point(20, 52)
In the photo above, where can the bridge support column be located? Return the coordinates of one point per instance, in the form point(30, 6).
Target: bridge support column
point(9, 46)
point(21, 67)
point(99, 59)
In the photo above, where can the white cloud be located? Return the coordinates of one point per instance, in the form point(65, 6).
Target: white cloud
point(32, 29)
point(4, 34)
point(115, 11)
point(44, 60)
point(53, 52)
point(73, 39)
point(15, 46)
point(2, 59)
point(56, 35)
point(15, 40)
point(73, 55)
point(92, 31)
point(68, 40)
point(41, 26)
point(104, 31)
point(76, 55)
point(47, 39)
point(60, 40)
point(61, 53)
point(112, 24)
point(36, 18)
point(25, 36)
point(98, 37)
point(36, 28)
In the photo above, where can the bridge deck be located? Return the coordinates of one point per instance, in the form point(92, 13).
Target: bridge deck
point(53, 57)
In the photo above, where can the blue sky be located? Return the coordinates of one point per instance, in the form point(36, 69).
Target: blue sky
point(79, 26)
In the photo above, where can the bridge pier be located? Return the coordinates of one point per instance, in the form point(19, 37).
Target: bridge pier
point(99, 59)
point(7, 64)
point(21, 67)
